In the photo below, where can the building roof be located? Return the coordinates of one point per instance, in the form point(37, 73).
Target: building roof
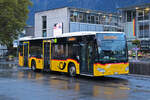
point(84, 33)
point(78, 9)
point(135, 7)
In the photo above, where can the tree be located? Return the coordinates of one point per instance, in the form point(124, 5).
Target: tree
point(13, 16)
point(136, 42)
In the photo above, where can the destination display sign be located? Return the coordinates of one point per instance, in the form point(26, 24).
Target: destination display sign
point(110, 37)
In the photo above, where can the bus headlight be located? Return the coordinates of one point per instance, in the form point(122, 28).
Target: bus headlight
point(101, 70)
point(127, 68)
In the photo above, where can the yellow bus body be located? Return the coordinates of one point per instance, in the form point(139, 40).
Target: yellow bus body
point(110, 69)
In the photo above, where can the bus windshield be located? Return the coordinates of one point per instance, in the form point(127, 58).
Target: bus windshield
point(111, 47)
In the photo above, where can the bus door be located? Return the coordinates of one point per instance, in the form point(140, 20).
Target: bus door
point(86, 64)
point(25, 53)
point(47, 54)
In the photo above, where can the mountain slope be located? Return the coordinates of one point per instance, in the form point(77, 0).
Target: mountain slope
point(104, 5)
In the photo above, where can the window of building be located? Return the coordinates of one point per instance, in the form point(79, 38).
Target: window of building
point(73, 16)
point(133, 14)
point(44, 34)
point(146, 14)
point(84, 17)
point(107, 20)
point(144, 30)
point(88, 18)
point(44, 22)
point(97, 21)
point(114, 20)
point(140, 15)
point(93, 19)
point(44, 26)
point(80, 17)
point(103, 19)
point(129, 16)
point(143, 14)
point(100, 19)
point(110, 20)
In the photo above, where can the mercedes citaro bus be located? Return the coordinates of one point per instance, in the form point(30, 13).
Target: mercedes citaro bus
point(77, 53)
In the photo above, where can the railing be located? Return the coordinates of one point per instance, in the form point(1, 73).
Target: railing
point(5, 54)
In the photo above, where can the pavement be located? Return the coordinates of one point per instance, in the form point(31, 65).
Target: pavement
point(20, 83)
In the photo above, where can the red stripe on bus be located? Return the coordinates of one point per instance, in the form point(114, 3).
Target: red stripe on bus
point(35, 58)
point(109, 63)
point(57, 60)
point(73, 60)
point(65, 60)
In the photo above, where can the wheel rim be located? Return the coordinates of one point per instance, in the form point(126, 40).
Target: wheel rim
point(33, 67)
point(72, 71)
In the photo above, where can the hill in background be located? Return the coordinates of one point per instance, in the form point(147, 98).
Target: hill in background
point(103, 5)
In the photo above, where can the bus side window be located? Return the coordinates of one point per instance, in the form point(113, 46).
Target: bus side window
point(21, 50)
point(59, 51)
point(35, 49)
point(70, 50)
point(73, 51)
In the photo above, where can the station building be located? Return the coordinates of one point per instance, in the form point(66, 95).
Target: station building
point(67, 19)
point(136, 23)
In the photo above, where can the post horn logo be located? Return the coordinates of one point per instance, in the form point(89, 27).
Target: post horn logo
point(62, 65)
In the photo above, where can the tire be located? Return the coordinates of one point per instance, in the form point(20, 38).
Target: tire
point(72, 71)
point(33, 66)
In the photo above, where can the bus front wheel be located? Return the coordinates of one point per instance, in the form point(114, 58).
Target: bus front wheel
point(72, 70)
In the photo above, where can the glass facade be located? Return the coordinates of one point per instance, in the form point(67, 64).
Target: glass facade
point(142, 21)
point(137, 19)
point(110, 22)
point(144, 31)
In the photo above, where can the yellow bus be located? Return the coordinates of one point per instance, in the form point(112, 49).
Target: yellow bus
point(77, 53)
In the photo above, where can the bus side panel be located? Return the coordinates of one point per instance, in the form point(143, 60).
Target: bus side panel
point(38, 61)
point(21, 60)
point(59, 65)
point(110, 69)
point(62, 65)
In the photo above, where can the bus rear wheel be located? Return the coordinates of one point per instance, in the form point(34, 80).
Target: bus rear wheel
point(72, 71)
point(33, 66)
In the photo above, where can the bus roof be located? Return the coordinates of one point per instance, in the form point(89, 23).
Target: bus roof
point(83, 33)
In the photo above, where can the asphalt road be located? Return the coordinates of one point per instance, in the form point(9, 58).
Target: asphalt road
point(23, 84)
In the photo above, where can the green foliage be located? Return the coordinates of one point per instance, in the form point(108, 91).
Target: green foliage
point(136, 42)
point(13, 16)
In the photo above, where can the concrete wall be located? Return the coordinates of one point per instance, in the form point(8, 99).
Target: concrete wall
point(53, 17)
point(141, 68)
